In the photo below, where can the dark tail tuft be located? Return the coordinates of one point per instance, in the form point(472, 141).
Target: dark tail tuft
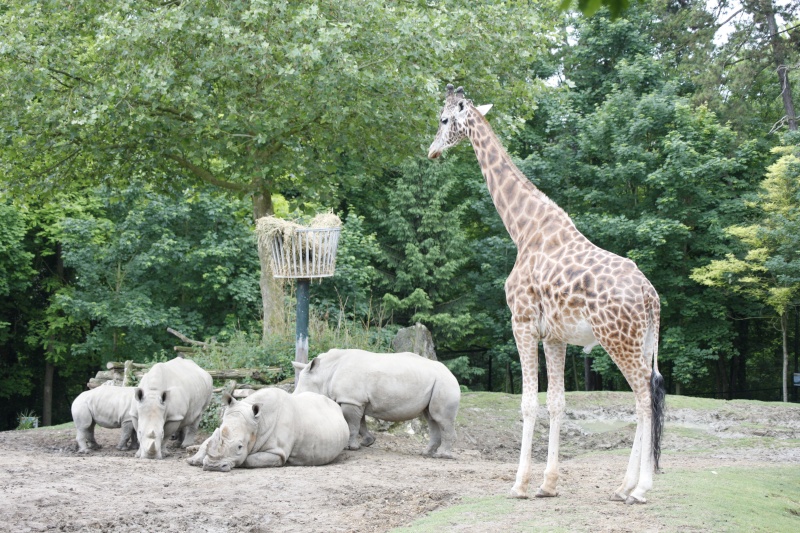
point(658, 393)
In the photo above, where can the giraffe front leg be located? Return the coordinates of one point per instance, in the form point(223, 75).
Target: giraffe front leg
point(527, 346)
point(555, 355)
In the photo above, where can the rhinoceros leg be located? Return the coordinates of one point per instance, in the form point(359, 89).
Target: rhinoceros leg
point(197, 459)
point(435, 432)
point(190, 433)
point(127, 435)
point(85, 436)
point(353, 415)
point(367, 438)
point(276, 457)
point(93, 444)
point(443, 413)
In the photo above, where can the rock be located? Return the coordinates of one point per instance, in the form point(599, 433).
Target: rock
point(416, 339)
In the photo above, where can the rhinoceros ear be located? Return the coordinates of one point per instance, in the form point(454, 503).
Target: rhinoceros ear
point(227, 399)
point(164, 397)
point(139, 394)
point(256, 410)
point(299, 366)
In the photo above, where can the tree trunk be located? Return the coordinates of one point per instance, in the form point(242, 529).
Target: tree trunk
point(779, 57)
point(785, 338)
point(47, 407)
point(49, 367)
point(271, 304)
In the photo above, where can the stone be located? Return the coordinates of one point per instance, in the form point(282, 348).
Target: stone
point(416, 339)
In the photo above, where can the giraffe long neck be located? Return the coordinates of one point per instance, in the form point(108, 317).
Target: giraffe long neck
point(519, 203)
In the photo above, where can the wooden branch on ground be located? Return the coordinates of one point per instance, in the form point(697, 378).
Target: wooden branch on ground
point(262, 375)
point(186, 349)
point(119, 365)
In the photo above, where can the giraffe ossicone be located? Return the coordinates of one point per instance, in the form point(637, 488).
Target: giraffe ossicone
point(563, 290)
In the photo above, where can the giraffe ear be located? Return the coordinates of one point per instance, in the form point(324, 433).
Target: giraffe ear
point(483, 109)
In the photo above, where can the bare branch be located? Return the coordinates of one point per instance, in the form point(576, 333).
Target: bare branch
point(208, 177)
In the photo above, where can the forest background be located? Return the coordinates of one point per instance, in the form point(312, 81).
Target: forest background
point(139, 141)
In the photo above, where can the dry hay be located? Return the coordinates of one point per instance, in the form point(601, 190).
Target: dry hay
point(268, 227)
point(273, 232)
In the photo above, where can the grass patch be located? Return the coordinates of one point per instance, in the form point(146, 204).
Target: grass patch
point(731, 499)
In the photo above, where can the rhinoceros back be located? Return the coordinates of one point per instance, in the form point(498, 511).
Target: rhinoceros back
point(189, 388)
point(392, 386)
point(321, 432)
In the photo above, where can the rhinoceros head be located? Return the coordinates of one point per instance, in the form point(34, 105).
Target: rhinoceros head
point(310, 376)
point(232, 441)
point(151, 412)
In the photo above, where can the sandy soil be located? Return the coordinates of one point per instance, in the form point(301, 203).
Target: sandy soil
point(46, 485)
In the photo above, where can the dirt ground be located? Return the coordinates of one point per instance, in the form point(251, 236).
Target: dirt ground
point(46, 485)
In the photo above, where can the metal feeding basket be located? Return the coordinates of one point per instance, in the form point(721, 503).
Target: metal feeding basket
point(305, 253)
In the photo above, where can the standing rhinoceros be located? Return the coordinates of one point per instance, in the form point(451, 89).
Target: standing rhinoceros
point(389, 386)
point(170, 399)
point(271, 428)
point(109, 407)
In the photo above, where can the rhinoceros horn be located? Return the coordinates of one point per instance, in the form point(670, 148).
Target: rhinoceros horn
point(152, 449)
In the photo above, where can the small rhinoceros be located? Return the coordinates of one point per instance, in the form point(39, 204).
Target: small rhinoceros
point(109, 407)
point(169, 400)
point(271, 428)
point(390, 386)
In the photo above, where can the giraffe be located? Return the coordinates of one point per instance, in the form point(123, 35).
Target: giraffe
point(563, 290)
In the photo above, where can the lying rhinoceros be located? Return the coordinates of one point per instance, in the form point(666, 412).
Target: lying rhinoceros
point(389, 386)
point(109, 407)
point(271, 428)
point(169, 400)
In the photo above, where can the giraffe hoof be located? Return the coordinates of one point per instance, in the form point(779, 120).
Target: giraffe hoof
point(633, 499)
point(518, 493)
point(541, 493)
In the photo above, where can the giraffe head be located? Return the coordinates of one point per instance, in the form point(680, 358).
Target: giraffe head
point(454, 121)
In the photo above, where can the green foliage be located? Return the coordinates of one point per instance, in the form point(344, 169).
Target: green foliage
point(424, 250)
point(145, 261)
point(769, 270)
point(244, 95)
point(27, 420)
point(16, 273)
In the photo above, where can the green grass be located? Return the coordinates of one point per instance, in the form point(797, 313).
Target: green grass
point(731, 499)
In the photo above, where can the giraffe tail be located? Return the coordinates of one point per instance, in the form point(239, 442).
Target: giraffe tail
point(658, 390)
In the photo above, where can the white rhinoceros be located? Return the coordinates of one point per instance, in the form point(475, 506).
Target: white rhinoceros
point(390, 386)
point(169, 400)
point(109, 407)
point(271, 428)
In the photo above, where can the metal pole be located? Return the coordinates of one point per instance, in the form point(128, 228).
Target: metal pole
point(796, 348)
point(301, 337)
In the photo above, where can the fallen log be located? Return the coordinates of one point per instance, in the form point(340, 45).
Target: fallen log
point(263, 375)
point(114, 365)
point(96, 382)
point(186, 349)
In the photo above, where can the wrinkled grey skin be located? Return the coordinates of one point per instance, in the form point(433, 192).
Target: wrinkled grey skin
point(169, 400)
point(109, 407)
point(389, 386)
point(271, 428)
